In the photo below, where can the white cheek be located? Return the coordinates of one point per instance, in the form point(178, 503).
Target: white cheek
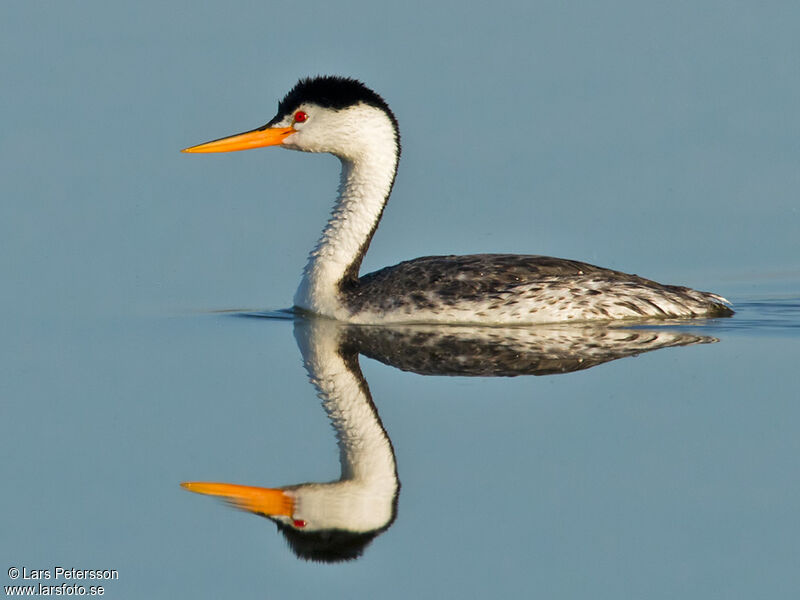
point(308, 141)
point(291, 141)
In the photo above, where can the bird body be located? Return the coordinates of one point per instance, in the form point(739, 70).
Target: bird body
point(511, 288)
point(343, 117)
point(336, 520)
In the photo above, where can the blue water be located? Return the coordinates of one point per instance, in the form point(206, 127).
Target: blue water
point(658, 139)
point(667, 473)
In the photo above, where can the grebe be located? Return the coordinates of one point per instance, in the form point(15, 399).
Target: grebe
point(345, 118)
point(336, 520)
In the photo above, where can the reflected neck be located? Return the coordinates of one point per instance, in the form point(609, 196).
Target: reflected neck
point(365, 451)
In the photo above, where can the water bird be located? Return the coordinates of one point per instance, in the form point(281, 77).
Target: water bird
point(344, 117)
point(337, 520)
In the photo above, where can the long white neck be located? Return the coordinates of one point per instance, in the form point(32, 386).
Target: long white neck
point(365, 450)
point(365, 184)
point(362, 499)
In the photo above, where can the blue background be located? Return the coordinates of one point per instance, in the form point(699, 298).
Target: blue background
point(656, 138)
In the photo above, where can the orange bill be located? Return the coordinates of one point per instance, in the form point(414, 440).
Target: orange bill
point(258, 138)
point(264, 501)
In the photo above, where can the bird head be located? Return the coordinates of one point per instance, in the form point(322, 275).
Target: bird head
point(326, 522)
point(331, 114)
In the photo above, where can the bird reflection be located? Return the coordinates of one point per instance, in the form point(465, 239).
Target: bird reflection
point(336, 521)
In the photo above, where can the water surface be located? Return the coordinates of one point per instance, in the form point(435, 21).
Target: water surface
point(654, 139)
point(666, 472)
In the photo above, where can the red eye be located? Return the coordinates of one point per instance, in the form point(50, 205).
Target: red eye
point(300, 117)
point(299, 523)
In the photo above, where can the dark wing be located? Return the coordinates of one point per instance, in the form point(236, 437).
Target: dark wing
point(471, 277)
point(506, 351)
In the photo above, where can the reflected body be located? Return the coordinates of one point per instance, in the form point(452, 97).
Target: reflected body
point(335, 521)
point(343, 117)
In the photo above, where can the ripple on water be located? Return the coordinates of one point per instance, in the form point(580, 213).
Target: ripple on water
point(762, 316)
point(777, 315)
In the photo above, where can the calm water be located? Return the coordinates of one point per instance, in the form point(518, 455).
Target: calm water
point(669, 472)
point(654, 138)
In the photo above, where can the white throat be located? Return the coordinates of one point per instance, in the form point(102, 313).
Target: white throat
point(369, 162)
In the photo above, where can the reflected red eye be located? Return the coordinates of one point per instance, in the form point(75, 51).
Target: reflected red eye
point(299, 523)
point(300, 117)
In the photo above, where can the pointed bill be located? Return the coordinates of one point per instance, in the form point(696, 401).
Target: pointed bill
point(258, 138)
point(264, 501)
